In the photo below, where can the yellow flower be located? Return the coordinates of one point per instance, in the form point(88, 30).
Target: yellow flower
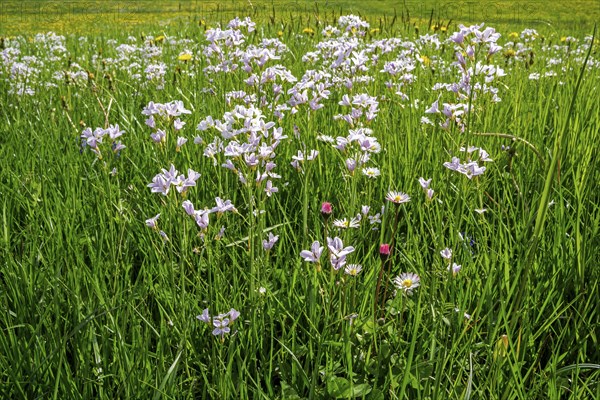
point(425, 60)
point(444, 29)
point(308, 31)
point(374, 31)
point(159, 39)
point(508, 53)
point(185, 57)
point(280, 33)
point(513, 36)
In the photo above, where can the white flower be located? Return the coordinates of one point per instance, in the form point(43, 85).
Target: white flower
point(407, 282)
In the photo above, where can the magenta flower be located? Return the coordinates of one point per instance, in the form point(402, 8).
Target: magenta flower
point(384, 251)
point(326, 209)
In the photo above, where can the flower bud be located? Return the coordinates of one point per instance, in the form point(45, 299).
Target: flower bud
point(384, 251)
point(326, 209)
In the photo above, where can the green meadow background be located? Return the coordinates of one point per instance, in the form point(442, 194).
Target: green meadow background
point(94, 304)
point(83, 17)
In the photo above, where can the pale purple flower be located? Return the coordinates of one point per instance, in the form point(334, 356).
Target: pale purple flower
point(151, 109)
point(455, 268)
point(454, 165)
point(314, 254)
point(446, 253)
point(337, 262)
point(429, 193)
point(151, 222)
point(118, 146)
point(424, 183)
point(164, 236)
point(204, 317)
point(114, 131)
point(336, 247)
point(350, 165)
point(180, 142)
point(473, 169)
point(178, 124)
point(160, 185)
point(188, 207)
point(202, 218)
point(159, 136)
point(270, 189)
point(151, 122)
point(223, 206)
point(182, 183)
point(221, 323)
point(270, 242)
point(434, 108)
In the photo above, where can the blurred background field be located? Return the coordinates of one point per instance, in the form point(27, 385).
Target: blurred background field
point(88, 17)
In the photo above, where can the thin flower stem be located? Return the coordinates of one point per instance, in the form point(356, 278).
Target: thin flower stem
point(389, 260)
point(515, 138)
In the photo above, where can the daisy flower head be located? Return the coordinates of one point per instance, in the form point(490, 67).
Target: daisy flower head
point(397, 197)
point(371, 172)
point(353, 269)
point(407, 282)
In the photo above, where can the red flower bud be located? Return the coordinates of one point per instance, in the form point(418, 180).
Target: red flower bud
point(326, 209)
point(384, 251)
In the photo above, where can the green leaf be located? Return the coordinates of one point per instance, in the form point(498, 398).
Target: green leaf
point(341, 388)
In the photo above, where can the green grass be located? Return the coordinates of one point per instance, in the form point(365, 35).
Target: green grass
point(95, 304)
point(85, 17)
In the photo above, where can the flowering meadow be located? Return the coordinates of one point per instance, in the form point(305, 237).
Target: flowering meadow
point(342, 211)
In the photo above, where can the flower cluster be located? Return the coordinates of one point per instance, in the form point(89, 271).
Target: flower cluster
point(161, 183)
point(471, 45)
point(469, 168)
point(357, 147)
point(162, 117)
point(202, 216)
point(95, 140)
point(221, 323)
point(361, 105)
point(425, 186)
point(247, 144)
point(337, 252)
